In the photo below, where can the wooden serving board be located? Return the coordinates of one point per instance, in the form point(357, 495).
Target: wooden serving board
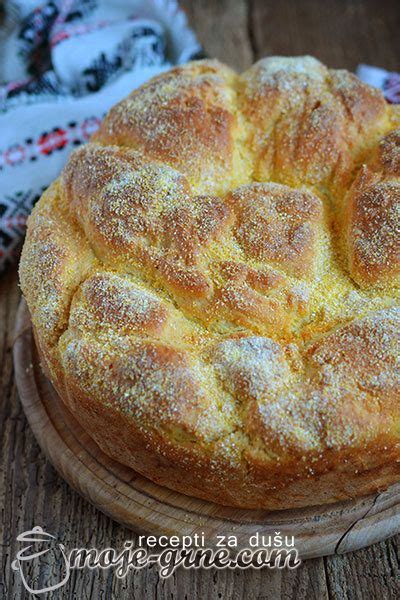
point(148, 508)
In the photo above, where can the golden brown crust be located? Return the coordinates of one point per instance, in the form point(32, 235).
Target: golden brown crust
point(277, 225)
point(191, 302)
point(183, 118)
point(314, 118)
point(374, 217)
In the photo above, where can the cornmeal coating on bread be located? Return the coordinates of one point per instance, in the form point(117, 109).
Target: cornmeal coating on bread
point(213, 283)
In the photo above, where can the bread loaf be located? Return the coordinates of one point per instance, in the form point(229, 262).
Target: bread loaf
point(213, 283)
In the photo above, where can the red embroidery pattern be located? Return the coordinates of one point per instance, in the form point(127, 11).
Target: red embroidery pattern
point(48, 142)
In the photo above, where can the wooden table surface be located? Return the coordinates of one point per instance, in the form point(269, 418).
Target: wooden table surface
point(342, 33)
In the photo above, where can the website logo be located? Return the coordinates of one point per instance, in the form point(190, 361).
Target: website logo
point(29, 553)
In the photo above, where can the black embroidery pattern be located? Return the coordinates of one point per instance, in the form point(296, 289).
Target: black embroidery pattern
point(144, 47)
point(14, 210)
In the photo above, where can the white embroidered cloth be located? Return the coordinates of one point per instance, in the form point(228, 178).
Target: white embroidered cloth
point(63, 64)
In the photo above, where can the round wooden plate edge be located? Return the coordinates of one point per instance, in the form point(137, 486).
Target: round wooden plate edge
point(365, 521)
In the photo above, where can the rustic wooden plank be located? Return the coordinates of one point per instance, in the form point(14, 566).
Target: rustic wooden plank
point(222, 28)
point(369, 573)
point(343, 33)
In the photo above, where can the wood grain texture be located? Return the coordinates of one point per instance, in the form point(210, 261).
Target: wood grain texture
point(32, 493)
point(222, 29)
point(341, 33)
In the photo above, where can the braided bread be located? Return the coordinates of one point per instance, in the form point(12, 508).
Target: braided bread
point(213, 282)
